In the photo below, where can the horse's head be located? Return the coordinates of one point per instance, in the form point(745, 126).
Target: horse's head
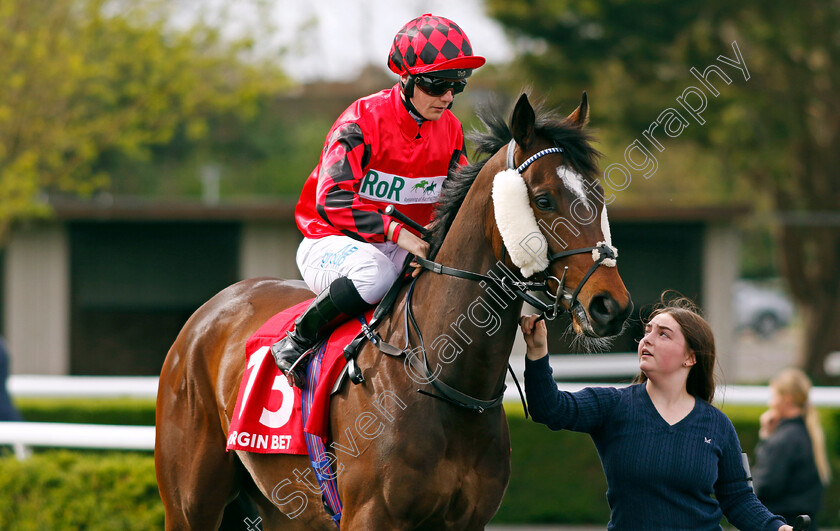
point(550, 214)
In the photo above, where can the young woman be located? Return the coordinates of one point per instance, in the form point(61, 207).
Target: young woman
point(393, 147)
point(672, 460)
point(791, 468)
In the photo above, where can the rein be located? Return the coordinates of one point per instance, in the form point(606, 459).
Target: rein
point(447, 393)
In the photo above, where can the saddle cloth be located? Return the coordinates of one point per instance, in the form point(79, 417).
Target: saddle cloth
point(267, 417)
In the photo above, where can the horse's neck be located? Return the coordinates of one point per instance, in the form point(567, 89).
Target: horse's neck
point(468, 327)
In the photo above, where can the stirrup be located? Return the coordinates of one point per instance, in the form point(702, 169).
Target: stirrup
point(291, 372)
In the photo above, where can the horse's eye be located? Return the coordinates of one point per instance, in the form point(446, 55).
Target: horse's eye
point(543, 202)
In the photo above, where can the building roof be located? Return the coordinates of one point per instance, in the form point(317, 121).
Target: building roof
point(106, 207)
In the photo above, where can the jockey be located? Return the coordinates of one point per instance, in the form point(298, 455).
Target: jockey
point(393, 147)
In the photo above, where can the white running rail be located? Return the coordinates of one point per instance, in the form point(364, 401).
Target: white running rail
point(40, 386)
point(23, 435)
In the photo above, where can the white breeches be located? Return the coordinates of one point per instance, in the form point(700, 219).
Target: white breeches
point(372, 267)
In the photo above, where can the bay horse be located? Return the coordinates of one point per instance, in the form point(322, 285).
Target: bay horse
point(438, 459)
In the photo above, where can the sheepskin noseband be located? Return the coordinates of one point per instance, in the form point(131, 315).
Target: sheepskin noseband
point(517, 224)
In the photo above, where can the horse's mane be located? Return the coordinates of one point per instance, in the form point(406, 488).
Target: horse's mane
point(575, 142)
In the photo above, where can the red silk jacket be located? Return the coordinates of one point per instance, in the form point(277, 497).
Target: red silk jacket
point(376, 155)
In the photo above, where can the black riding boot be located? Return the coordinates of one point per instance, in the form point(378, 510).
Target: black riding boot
point(330, 308)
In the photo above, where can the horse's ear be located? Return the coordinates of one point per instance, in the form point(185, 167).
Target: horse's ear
point(522, 122)
point(580, 116)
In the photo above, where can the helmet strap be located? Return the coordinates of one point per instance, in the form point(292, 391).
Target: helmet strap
point(407, 93)
point(408, 87)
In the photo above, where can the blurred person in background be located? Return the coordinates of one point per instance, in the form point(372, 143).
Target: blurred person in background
point(672, 460)
point(393, 147)
point(7, 409)
point(791, 467)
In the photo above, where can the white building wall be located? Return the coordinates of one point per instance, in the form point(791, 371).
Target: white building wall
point(37, 300)
point(268, 250)
point(721, 262)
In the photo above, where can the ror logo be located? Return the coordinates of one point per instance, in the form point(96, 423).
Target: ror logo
point(390, 188)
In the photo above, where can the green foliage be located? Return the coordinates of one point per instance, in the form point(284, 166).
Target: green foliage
point(125, 411)
point(80, 80)
point(60, 490)
point(555, 477)
point(269, 154)
point(633, 60)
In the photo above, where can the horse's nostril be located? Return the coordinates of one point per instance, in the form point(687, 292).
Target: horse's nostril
point(606, 315)
point(599, 308)
point(603, 309)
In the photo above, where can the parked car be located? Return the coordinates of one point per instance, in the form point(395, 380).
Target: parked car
point(762, 307)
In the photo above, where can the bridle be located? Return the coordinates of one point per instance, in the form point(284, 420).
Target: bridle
point(600, 252)
point(521, 288)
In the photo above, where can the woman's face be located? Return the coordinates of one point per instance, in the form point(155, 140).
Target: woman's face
point(775, 401)
point(663, 349)
point(782, 403)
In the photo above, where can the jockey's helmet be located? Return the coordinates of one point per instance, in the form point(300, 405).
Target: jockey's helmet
point(434, 46)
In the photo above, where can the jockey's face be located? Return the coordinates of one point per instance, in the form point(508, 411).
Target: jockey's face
point(430, 107)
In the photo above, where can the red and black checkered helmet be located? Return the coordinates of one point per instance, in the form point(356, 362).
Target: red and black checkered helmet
point(430, 44)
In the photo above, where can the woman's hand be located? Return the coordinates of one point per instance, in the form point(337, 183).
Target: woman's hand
point(536, 336)
point(416, 246)
point(768, 422)
point(786, 528)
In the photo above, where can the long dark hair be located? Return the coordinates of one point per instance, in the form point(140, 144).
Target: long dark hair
point(698, 337)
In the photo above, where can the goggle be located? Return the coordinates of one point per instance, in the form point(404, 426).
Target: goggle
point(435, 86)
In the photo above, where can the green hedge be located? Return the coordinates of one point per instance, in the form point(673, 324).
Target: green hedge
point(127, 411)
point(60, 490)
point(556, 476)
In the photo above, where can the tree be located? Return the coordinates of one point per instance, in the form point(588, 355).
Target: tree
point(83, 78)
point(777, 128)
